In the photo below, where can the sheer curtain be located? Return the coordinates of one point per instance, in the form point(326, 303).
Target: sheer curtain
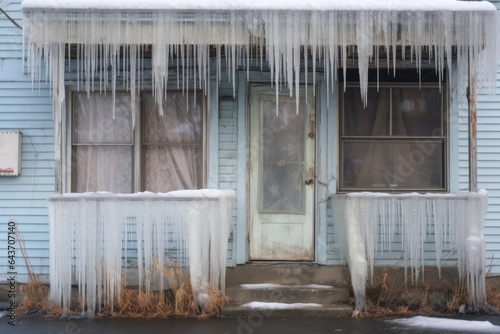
point(397, 160)
point(102, 146)
point(173, 150)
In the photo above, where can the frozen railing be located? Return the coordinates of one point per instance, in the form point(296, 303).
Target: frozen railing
point(365, 219)
point(87, 233)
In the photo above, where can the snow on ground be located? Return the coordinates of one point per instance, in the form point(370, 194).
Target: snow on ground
point(449, 324)
point(280, 306)
point(277, 286)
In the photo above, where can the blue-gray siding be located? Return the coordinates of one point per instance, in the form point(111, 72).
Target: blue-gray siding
point(23, 198)
point(488, 166)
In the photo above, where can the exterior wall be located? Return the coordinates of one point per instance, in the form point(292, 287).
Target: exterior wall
point(29, 110)
point(23, 198)
point(488, 164)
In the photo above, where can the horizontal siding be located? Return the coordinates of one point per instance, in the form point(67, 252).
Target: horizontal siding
point(25, 107)
point(11, 44)
point(488, 165)
point(227, 158)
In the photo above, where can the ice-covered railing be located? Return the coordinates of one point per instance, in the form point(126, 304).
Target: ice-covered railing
point(90, 235)
point(365, 220)
point(290, 35)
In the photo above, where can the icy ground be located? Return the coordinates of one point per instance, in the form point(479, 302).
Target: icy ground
point(449, 324)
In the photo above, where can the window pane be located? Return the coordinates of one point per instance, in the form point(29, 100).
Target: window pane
point(173, 151)
point(393, 165)
point(181, 121)
point(93, 118)
point(170, 168)
point(102, 168)
point(416, 112)
point(372, 120)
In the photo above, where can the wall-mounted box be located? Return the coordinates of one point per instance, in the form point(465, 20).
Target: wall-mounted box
point(10, 153)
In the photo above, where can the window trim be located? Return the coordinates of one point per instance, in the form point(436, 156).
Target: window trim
point(67, 139)
point(444, 138)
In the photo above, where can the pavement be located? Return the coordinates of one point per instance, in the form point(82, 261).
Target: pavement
point(249, 325)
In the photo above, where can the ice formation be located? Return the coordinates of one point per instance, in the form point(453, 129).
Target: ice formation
point(113, 36)
point(93, 234)
point(365, 220)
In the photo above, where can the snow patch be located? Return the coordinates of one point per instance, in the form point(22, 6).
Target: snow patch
point(448, 324)
point(280, 306)
point(279, 286)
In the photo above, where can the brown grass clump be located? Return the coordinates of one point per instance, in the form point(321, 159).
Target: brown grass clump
point(34, 293)
point(137, 304)
point(493, 295)
point(394, 300)
point(185, 305)
point(216, 302)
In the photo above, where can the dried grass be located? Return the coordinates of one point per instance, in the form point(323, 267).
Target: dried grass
point(178, 300)
point(493, 295)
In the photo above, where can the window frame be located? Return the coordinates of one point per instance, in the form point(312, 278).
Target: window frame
point(444, 138)
point(138, 143)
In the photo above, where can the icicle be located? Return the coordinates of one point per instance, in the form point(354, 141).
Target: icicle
point(451, 218)
point(194, 223)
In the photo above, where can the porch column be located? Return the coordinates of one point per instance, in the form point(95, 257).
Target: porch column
point(472, 96)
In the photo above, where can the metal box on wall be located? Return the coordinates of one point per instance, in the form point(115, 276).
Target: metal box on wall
point(10, 153)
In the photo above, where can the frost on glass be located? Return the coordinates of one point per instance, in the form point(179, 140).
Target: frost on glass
point(283, 153)
point(366, 221)
point(93, 235)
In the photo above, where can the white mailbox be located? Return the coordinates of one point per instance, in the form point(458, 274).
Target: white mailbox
point(10, 153)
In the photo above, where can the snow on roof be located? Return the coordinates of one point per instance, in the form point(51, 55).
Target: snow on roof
point(227, 5)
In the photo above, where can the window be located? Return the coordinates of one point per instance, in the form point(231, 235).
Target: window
point(159, 154)
point(397, 142)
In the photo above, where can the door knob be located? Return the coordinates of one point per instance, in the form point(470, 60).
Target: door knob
point(310, 181)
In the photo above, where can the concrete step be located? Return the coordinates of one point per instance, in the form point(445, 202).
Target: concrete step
point(289, 273)
point(313, 293)
point(289, 289)
point(324, 311)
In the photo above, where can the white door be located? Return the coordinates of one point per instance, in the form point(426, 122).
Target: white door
point(281, 176)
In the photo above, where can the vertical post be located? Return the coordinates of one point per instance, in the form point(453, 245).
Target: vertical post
point(472, 128)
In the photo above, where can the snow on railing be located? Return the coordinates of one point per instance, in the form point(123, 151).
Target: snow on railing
point(90, 234)
point(457, 219)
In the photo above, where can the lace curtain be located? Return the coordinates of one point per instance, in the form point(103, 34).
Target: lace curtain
point(173, 152)
point(103, 147)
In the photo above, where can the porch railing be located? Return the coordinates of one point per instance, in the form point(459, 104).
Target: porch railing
point(363, 219)
point(91, 235)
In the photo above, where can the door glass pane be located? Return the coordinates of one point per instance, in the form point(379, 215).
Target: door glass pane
point(393, 165)
point(283, 148)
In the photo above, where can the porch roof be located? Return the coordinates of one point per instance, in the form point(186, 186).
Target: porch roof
point(203, 5)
